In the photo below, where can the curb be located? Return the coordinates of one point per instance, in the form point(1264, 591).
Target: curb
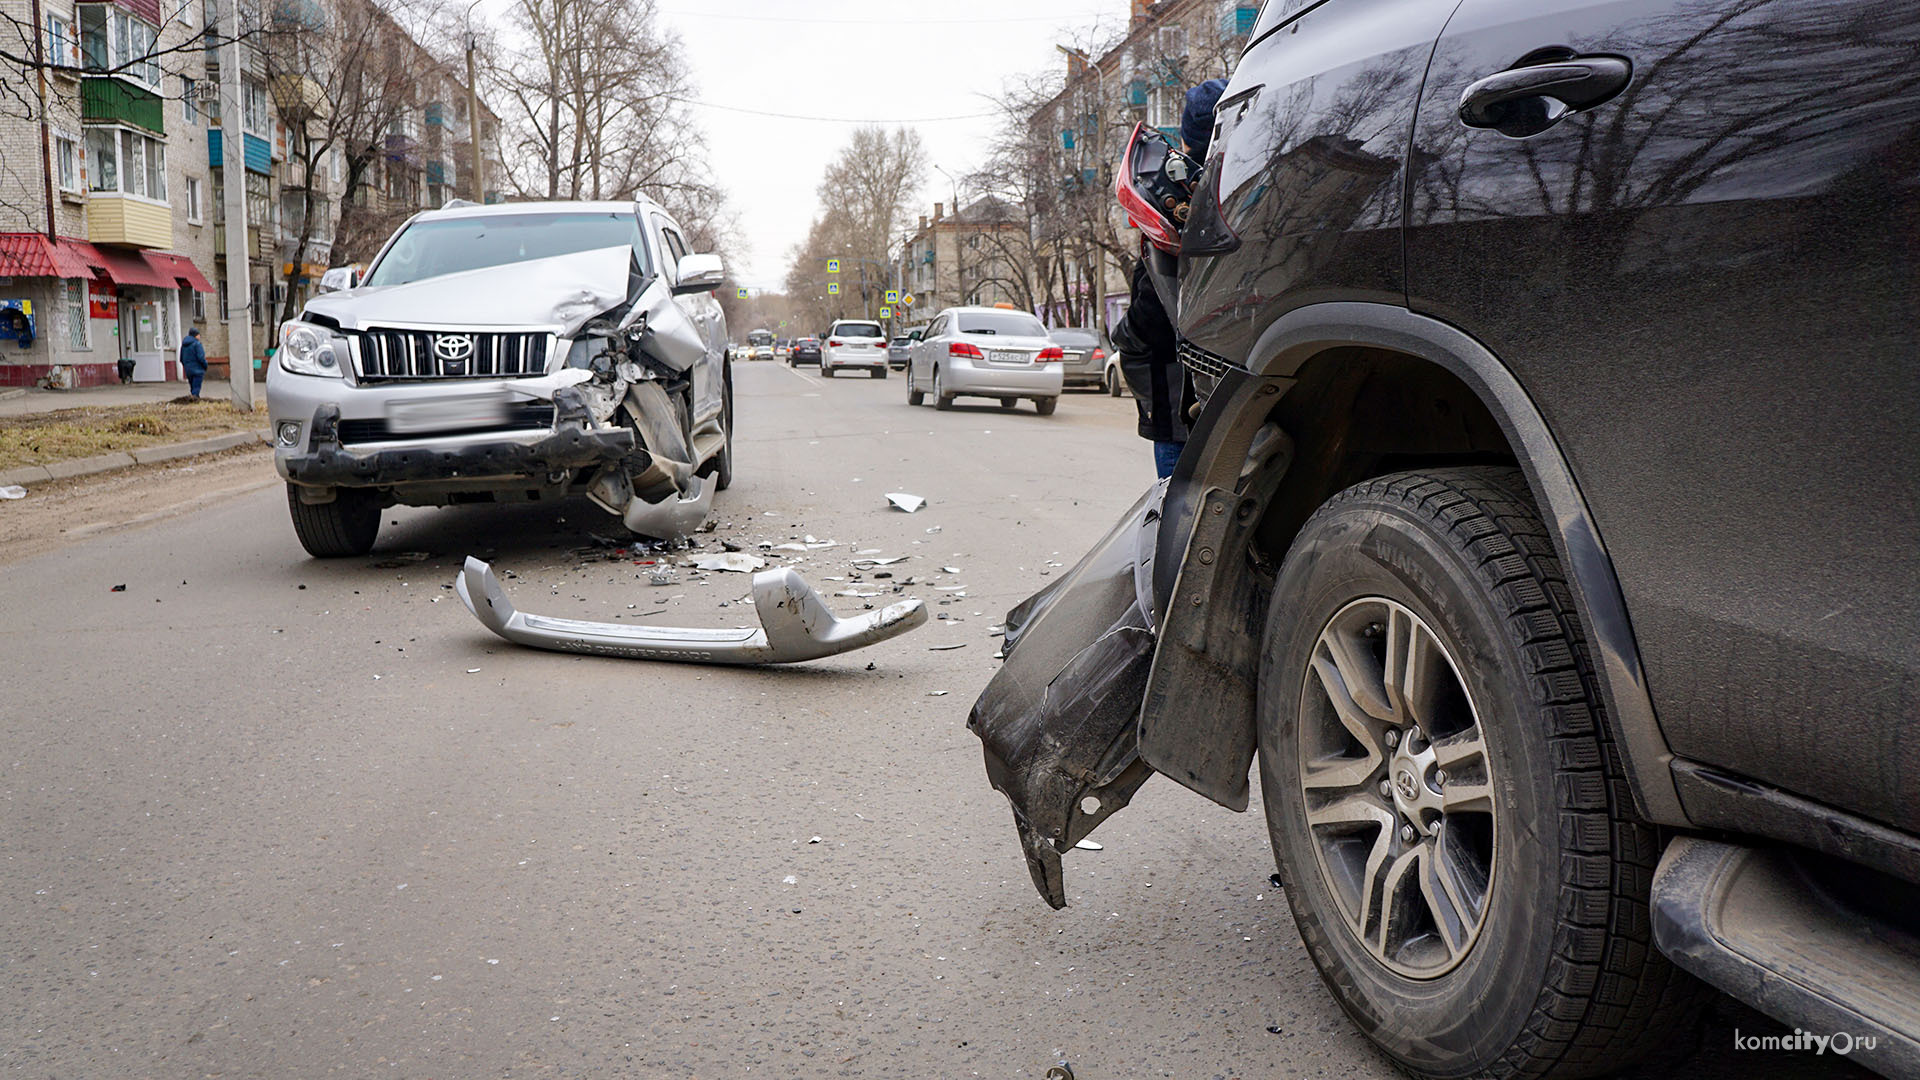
point(18, 391)
point(28, 475)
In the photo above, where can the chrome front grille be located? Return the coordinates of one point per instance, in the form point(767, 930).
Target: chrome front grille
point(1202, 362)
point(452, 354)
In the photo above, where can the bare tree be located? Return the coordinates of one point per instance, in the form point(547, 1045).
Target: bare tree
point(865, 196)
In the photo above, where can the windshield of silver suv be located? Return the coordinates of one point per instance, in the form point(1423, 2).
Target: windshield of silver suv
point(432, 247)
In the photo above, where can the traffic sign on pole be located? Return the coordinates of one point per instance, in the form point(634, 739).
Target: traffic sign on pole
point(893, 296)
point(741, 293)
point(833, 266)
point(886, 313)
point(907, 300)
point(833, 288)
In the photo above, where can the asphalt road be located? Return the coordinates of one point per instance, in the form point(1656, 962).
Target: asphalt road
point(271, 817)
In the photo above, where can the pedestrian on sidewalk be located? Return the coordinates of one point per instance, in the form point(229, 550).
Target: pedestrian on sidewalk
point(193, 361)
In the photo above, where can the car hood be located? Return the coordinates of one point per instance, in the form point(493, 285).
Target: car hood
point(561, 291)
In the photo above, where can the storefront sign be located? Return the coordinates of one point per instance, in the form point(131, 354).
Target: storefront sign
point(102, 301)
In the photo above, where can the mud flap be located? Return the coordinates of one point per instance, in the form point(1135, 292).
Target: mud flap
point(1059, 721)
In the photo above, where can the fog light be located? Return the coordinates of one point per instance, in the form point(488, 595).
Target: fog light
point(289, 433)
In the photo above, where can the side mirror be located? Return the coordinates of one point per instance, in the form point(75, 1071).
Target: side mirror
point(338, 278)
point(699, 272)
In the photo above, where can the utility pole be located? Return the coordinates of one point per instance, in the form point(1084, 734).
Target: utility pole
point(233, 167)
point(473, 115)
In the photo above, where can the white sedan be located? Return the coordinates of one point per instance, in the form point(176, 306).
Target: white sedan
point(986, 352)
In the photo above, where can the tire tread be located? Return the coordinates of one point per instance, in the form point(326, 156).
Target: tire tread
point(1611, 997)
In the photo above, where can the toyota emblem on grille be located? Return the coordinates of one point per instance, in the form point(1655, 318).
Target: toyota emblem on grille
point(453, 348)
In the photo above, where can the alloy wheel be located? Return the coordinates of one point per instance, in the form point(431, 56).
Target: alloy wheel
point(1398, 788)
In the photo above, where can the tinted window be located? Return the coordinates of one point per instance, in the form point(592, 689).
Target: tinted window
point(857, 329)
point(1074, 337)
point(1008, 323)
point(431, 248)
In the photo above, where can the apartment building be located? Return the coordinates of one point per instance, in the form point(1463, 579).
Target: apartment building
point(113, 243)
point(1170, 46)
point(979, 255)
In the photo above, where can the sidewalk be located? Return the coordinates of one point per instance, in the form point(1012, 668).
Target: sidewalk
point(35, 400)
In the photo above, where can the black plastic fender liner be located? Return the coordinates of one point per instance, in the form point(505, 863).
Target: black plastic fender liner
point(1057, 722)
point(1217, 450)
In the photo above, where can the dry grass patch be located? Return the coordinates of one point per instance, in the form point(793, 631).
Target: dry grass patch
point(43, 438)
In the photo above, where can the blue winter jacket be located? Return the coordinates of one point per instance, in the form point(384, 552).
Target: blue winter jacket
point(193, 354)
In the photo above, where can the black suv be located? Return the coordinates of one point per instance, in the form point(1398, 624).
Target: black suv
point(805, 350)
point(1550, 530)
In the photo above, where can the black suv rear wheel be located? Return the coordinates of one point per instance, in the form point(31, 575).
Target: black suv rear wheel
point(1458, 844)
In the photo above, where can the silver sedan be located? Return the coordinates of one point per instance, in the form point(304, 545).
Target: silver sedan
point(985, 352)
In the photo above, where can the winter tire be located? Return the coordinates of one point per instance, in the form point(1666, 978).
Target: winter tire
point(1045, 406)
point(1448, 810)
point(332, 530)
point(826, 372)
point(941, 401)
point(1111, 382)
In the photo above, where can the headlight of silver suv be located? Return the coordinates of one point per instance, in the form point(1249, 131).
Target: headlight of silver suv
point(306, 349)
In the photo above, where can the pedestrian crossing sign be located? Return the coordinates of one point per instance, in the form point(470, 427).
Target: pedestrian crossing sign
point(833, 288)
point(833, 266)
point(741, 293)
point(886, 313)
point(893, 296)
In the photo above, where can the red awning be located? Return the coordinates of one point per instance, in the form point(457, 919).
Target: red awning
point(132, 268)
point(181, 268)
point(33, 255)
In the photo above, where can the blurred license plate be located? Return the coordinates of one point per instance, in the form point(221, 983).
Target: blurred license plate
point(1006, 356)
point(447, 414)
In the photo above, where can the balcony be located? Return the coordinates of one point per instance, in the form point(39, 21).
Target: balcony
point(260, 245)
point(259, 153)
point(105, 99)
point(113, 218)
point(1238, 21)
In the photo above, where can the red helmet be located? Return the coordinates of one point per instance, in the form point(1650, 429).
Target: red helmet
point(1155, 187)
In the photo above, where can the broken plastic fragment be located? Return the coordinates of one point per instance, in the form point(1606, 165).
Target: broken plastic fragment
point(1090, 845)
point(738, 562)
point(13, 491)
point(795, 624)
point(903, 501)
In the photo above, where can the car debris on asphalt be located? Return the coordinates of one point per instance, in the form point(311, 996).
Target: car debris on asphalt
point(795, 624)
point(903, 501)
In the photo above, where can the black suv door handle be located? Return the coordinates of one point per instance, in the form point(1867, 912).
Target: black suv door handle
point(1530, 98)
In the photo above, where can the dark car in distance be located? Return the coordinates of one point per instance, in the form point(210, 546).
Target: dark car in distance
point(1549, 537)
point(804, 350)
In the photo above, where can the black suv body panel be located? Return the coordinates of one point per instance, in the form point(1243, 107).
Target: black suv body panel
point(1707, 285)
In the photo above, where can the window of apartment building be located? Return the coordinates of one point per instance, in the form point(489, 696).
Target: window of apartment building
point(339, 165)
point(127, 161)
point(116, 41)
point(254, 117)
point(69, 163)
point(253, 301)
point(63, 42)
point(73, 300)
point(195, 214)
point(199, 305)
point(221, 285)
point(189, 107)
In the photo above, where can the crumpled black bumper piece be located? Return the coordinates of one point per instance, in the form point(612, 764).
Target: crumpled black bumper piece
point(1059, 721)
point(571, 446)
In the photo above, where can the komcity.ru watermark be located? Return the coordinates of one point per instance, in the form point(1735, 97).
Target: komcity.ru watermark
point(1840, 1042)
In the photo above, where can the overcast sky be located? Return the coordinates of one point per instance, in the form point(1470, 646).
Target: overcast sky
point(859, 61)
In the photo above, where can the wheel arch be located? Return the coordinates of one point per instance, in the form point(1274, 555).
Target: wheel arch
point(1358, 390)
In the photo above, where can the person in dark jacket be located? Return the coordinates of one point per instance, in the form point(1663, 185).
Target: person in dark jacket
point(193, 361)
point(1145, 336)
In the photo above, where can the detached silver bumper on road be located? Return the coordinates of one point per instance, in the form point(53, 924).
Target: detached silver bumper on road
point(795, 624)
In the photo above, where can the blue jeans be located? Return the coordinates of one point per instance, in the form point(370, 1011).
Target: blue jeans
point(1164, 455)
point(194, 372)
